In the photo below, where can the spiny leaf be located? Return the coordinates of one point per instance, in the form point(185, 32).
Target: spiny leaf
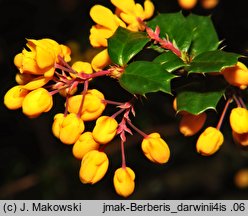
point(125, 44)
point(142, 77)
point(169, 61)
point(212, 61)
point(205, 37)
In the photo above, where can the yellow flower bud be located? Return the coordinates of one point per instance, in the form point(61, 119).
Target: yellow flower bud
point(155, 148)
point(190, 124)
point(71, 129)
point(84, 144)
point(105, 129)
point(209, 141)
point(93, 105)
point(80, 66)
point(58, 119)
point(239, 120)
point(37, 102)
point(187, 4)
point(241, 139)
point(14, 97)
point(236, 75)
point(93, 167)
point(124, 181)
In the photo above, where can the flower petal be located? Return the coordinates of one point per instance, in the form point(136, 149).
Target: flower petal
point(101, 60)
point(103, 16)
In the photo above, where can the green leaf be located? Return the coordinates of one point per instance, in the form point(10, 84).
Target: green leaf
point(205, 37)
point(198, 96)
point(212, 61)
point(174, 26)
point(198, 102)
point(125, 44)
point(169, 61)
point(141, 77)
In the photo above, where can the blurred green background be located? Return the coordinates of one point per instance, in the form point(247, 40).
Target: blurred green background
point(35, 165)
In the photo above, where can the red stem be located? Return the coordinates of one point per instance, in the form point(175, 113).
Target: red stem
point(223, 114)
point(237, 101)
point(112, 102)
point(70, 70)
point(242, 103)
point(123, 155)
point(137, 130)
point(118, 112)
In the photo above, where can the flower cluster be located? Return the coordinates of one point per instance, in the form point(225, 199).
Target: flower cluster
point(128, 14)
point(44, 71)
point(36, 68)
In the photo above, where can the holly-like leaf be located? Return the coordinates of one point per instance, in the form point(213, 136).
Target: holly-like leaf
point(212, 61)
point(204, 35)
point(198, 102)
point(198, 96)
point(125, 44)
point(141, 77)
point(169, 61)
point(175, 26)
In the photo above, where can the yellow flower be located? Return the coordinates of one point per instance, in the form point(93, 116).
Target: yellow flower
point(101, 60)
point(131, 13)
point(80, 66)
point(70, 129)
point(236, 75)
point(124, 181)
point(37, 102)
point(93, 167)
point(155, 148)
point(239, 120)
point(190, 124)
point(241, 139)
point(14, 97)
point(107, 23)
point(105, 129)
point(41, 58)
point(209, 141)
point(84, 144)
point(93, 105)
point(57, 122)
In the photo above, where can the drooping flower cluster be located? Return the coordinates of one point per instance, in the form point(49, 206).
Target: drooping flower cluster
point(211, 139)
